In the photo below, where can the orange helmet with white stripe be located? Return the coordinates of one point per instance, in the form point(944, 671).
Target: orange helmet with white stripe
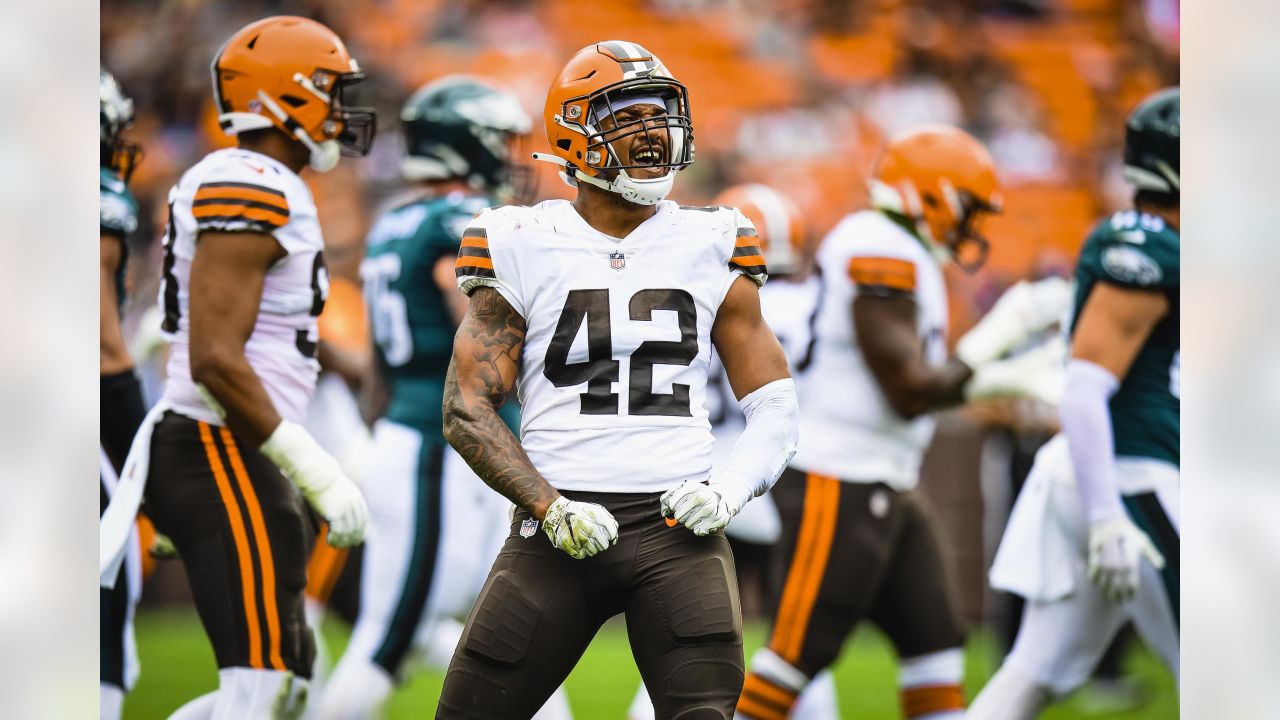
point(941, 179)
point(582, 127)
point(779, 224)
point(290, 73)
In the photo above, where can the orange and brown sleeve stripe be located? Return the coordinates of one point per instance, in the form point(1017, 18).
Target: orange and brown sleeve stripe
point(230, 206)
point(473, 255)
point(808, 566)
point(746, 253)
point(882, 272)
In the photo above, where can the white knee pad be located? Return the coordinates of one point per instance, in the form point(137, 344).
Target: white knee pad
point(246, 693)
point(818, 699)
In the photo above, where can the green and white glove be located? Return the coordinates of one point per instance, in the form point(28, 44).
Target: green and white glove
point(1116, 550)
point(320, 479)
point(1022, 311)
point(581, 529)
point(705, 508)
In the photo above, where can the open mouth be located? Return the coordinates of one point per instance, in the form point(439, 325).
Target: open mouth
point(649, 155)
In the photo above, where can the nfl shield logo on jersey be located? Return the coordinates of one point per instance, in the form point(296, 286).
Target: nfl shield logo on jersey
point(528, 528)
point(617, 260)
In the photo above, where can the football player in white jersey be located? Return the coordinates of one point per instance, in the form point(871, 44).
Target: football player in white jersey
point(786, 304)
point(604, 311)
point(857, 541)
point(231, 468)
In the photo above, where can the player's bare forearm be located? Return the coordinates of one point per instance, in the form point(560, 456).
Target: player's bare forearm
point(113, 356)
point(887, 336)
point(486, 359)
point(227, 276)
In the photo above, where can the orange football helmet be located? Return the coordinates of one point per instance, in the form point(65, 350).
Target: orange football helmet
point(290, 73)
point(778, 221)
point(941, 178)
point(599, 80)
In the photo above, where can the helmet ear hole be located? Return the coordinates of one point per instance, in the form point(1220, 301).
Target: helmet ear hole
point(564, 144)
point(930, 200)
point(292, 101)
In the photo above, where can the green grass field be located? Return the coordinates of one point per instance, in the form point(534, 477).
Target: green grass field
point(177, 665)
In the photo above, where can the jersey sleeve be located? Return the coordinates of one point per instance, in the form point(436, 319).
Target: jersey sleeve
point(237, 196)
point(1136, 251)
point(480, 265)
point(747, 258)
point(877, 274)
point(117, 208)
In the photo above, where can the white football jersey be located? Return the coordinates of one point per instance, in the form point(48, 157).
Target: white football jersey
point(237, 190)
point(847, 427)
point(613, 373)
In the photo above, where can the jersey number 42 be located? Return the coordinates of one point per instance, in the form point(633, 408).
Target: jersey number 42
point(601, 370)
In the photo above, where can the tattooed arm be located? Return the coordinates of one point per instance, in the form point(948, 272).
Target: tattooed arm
point(486, 359)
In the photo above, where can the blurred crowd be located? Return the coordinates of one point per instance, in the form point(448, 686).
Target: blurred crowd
point(798, 94)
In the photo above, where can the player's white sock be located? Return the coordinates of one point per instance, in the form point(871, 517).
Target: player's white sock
point(110, 701)
point(246, 693)
point(818, 699)
point(1009, 695)
point(931, 685)
point(200, 708)
point(356, 690)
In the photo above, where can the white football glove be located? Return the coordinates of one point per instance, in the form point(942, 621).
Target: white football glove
point(1116, 549)
point(1022, 311)
point(320, 479)
point(581, 529)
point(704, 508)
point(1038, 373)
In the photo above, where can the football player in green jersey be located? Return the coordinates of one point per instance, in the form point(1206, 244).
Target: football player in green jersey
point(1093, 539)
point(439, 526)
point(120, 404)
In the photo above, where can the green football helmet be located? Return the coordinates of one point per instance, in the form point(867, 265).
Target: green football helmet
point(1151, 136)
point(462, 127)
point(115, 113)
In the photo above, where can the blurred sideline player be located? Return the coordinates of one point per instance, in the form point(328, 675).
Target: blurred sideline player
point(1093, 541)
point(333, 419)
point(786, 302)
point(244, 279)
point(438, 525)
point(857, 541)
point(607, 308)
point(121, 405)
